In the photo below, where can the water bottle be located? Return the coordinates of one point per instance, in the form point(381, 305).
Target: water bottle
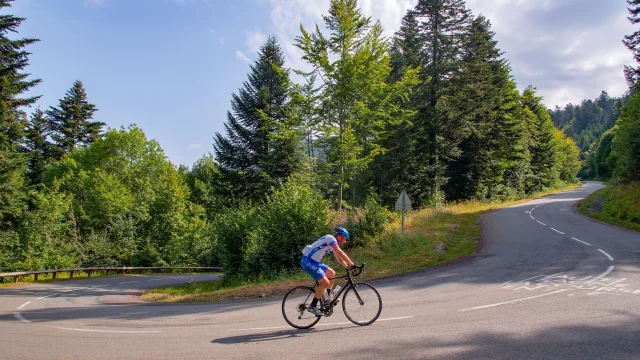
point(335, 291)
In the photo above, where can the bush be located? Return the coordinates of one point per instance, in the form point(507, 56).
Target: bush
point(364, 224)
point(235, 231)
point(294, 216)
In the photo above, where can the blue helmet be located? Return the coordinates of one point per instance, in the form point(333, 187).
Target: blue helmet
point(342, 231)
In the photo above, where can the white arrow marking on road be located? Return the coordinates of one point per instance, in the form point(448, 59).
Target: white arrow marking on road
point(605, 254)
point(513, 301)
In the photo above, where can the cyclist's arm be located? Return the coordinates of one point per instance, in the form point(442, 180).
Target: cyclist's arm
point(342, 258)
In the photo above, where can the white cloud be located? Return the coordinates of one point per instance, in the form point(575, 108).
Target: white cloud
point(570, 50)
point(255, 40)
point(240, 55)
point(195, 146)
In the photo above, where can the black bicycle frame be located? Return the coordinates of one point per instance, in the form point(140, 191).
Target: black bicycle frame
point(350, 283)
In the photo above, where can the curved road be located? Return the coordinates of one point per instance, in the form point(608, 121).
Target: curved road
point(547, 283)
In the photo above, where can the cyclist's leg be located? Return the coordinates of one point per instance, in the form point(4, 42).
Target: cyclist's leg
point(330, 274)
point(317, 271)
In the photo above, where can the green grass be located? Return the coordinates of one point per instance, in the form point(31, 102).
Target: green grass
point(621, 205)
point(455, 226)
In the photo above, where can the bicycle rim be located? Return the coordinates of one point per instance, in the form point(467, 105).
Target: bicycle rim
point(363, 313)
point(294, 308)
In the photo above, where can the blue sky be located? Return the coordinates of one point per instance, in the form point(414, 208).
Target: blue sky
point(170, 66)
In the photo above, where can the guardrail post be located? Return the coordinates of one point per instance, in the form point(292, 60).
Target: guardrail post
point(124, 271)
point(55, 275)
point(35, 277)
point(15, 279)
point(106, 273)
point(88, 273)
point(70, 274)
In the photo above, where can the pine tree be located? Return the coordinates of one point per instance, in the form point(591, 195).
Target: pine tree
point(260, 149)
point(37, 147)
point(13, 60)
point(442, 28)
point(541, 144)
point(632, 42)
point(70, 121)
point(483, 95)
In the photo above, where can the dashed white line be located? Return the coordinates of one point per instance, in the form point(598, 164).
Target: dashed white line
point(605, 254)
point(23, 305)
point(48, 296)
point(19, 316)
point(128, 282)
point(541, 223)
point(110, 331)
point(558, 231)
point(586, 243)
point(532, 217)
point(513, 301)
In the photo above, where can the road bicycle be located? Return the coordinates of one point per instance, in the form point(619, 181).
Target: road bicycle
point(361, 302)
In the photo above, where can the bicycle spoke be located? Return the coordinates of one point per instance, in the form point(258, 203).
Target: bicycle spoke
point(294, 308)
point(362, 305)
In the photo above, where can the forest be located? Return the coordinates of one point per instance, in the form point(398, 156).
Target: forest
point(434, 111)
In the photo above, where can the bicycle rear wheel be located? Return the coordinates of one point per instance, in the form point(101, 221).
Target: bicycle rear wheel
point(294, 308)
point(362, 304)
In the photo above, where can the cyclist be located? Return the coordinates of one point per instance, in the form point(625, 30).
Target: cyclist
point(312, 263)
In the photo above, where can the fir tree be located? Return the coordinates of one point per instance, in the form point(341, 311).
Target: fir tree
point(37, 147)
point(442, 28)
point(632, 42)
point(13, 60)
point(483, 95)
point(70, 121)
point(260, 149)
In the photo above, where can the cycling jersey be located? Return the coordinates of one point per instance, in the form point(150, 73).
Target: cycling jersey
point(320, 248)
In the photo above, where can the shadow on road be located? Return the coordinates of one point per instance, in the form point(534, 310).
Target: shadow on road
point(273, 336)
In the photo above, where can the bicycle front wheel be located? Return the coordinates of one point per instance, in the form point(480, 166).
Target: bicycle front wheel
point(362, 304)
point(294, 308)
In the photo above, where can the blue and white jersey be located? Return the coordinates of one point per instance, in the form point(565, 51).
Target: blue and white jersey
point(320, 248)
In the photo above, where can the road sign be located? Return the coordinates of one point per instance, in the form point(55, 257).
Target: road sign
point(403, 202)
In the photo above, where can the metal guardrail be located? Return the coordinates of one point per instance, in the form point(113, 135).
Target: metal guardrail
point(123, 269)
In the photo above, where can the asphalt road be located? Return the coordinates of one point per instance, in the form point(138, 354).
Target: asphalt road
point(546, 283)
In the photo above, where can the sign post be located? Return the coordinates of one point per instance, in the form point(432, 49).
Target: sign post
point(403, 203)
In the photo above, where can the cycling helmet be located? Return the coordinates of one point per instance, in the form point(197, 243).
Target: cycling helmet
point(342, 231)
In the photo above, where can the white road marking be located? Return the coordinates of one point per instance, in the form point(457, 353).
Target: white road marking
point(558, 231)
point(581, 241)
point(609, 270)
point(23, 305)
point(156, 279)
point(330, 324)
point(513, 301)
point(532, 217)
point(605, 254)
point(128, 282)
point(110, 331)
point(20, 317)
point(44, 297)
point(541, 223)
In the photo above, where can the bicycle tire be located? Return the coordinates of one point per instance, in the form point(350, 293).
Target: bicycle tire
point(295, 311)
point(369, 296)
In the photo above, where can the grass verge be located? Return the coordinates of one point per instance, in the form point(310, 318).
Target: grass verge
point(617, 204)
point(431, 237)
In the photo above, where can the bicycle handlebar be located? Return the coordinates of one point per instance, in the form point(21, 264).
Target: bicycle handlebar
point(356, 270)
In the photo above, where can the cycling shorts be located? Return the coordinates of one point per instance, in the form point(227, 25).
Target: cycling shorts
point(314, 268)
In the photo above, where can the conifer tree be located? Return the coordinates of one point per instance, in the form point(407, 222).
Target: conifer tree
point(483, 95)
point(632, 42)
point(261, 146)
point(39, 150)
point(13, 60)
point(70, 121)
